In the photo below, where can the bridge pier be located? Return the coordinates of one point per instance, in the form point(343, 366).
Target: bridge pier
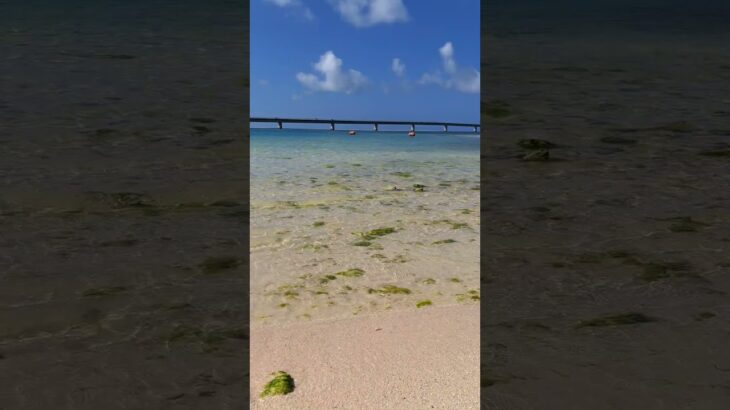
point(375, 126)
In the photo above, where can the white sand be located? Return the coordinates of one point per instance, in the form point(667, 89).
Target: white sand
point(424, 359)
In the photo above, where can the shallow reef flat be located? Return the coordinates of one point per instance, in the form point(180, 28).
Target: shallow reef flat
point(362, 233)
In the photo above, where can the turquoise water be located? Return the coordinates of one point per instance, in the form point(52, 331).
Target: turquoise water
point(274, 150)
point(313, 191)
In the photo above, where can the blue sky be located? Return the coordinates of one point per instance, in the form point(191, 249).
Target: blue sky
point(337, 59)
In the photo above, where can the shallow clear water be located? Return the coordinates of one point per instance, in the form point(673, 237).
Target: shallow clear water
point(313, 191)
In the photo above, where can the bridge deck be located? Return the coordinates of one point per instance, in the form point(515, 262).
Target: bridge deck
point(375, 123)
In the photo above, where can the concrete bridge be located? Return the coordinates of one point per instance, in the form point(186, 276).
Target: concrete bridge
point(332, 123)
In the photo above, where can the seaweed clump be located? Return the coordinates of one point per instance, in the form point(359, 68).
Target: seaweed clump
point(390, 290)
point(615, 320)
point(534, 143)
point(375, 233)
point(423, 303)
point(686, 224)
point(351, 273)
point(281, 384)
point(218, 264)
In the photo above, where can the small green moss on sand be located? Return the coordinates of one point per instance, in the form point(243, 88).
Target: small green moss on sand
point(429, 281)
point(327, 278)
point(375, 233)
point(318, 224)
point(423, 303)
point(351, 273)
point(281, 384)
point(362, 243)
point(219, 264)
point(615, 320)
point(390, 290)
point(444, 241)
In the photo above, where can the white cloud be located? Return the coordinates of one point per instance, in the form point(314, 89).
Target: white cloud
point(365, 13)
point(398, 67)
point(447, 55)
point(464, 80)
point(294, 5)
point(431, 78)
point(334, 79)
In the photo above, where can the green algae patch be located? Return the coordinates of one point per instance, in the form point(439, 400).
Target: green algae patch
point(390, 290)
point(444, 241)
point(218, 264)
point(686, 224)
point(704, 316)
point(315, 247)
point(537, 155)
point(472, 295)
point(107, 291)
point(719, 153)
point(362, 243)
point(534, 143)
point(429, 281)
point(654, 271)
point(351, 273)
point(318, 224)
point(327, 278)
point(402, 174)
point(455, 280)
point(375, 233)
point(424, 303)
point(631, 318)
point(419, 188)
point(281, 384)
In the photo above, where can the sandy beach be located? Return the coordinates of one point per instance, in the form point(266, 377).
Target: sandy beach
point(363, 288)
point(427, 359)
